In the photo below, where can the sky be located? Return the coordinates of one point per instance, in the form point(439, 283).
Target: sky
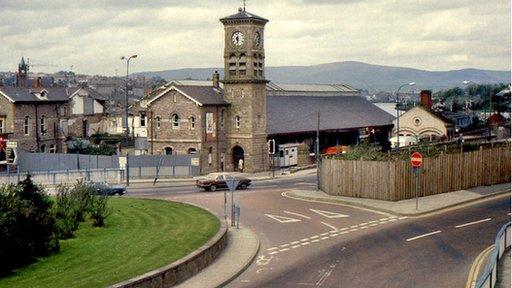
point(92, 35)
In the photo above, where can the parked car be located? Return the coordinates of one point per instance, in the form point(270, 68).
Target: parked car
point(218, 181)
point(103, 188)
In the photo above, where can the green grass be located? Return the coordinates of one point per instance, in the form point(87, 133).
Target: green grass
point(139, 236)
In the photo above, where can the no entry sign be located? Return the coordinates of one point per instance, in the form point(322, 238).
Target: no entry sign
point(416, 159)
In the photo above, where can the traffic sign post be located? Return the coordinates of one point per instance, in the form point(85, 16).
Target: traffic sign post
point(416, 162)
point(232, 183)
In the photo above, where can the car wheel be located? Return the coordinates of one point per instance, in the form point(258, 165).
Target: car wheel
point(243, 186)
point(206, 188)
point(213, 188)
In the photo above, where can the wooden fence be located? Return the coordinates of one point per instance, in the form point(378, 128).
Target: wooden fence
point(394, 180)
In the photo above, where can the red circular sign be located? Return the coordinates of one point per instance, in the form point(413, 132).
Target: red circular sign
point(416, 159)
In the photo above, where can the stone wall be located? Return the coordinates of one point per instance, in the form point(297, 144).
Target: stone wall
point(182, 269)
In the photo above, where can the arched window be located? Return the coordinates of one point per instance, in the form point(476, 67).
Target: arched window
point(168, 151)
point(192, 122)
point(232, 65)
point(42, 125)
point(142, 119)
point(42, 149)
point(26, 125)
point(175, 119)
point(210, 156)
point(157, 120)
point(242, 62)
point(237, 121)
point(192, 151)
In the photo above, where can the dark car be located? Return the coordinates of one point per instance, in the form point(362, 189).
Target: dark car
point(215, 182)
point(103, 188)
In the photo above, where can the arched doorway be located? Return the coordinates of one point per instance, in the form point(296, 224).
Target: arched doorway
point(238, 158)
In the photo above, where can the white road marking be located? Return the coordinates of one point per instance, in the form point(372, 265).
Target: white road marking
point(295, 242)
point(323, 234)
point(404, 217)
point(272, 253)
point(245, 281)
point(323, 238)
point(344, 228)
point(284, 245)
point(330, 226)
point(353, 226)
point(329, 214)
point(316, 240)
point(423, 235)
point(285, 249)
point(313, 237)
point(383, 219)
point(374, 221)
point(474, 222)
point(335, 234)
point(305, 239)
point(305, 243)
point(352, 230)
point(297, 214)
point(295, 246)
point(364, 223)
point(374, 224)
point(283, 219)
point(344, 232)
point(392, 220)
point(364, 227)
point(273, 248)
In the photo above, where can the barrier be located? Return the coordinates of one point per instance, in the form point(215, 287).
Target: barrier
point(66, 176)
point(501, 244)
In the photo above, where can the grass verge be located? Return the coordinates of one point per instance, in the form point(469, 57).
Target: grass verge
point(139, 236)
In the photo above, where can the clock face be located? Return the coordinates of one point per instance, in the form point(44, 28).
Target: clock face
point(238, 38)
point(257, 39)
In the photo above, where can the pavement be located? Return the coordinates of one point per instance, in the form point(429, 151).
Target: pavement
point(503, 280)
point(426, 205)
point(243, 246)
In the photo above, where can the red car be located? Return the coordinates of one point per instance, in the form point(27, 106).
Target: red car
point(215, 182)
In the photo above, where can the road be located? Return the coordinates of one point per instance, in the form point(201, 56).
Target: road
point(327, 245)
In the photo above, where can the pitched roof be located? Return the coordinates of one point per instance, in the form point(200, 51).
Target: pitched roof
point(243, 15)
point(285, 89)
point(295, 114)
point(24, 94)
point(201, 94)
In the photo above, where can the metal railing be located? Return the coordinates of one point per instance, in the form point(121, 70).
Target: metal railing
point(66, 176)
point(501, 244)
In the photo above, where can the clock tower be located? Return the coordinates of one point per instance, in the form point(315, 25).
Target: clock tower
point(244, 88)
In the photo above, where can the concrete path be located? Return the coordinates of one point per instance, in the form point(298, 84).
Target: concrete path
point(243, 245)
point(426, 205)
point(504, 271)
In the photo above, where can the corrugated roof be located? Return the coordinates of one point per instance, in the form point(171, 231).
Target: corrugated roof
point(23, 94)
point(295, 114)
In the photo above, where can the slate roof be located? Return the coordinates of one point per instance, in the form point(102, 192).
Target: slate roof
point(23, 94)
point(243, 15)
point(296, 114)
point(206, 95)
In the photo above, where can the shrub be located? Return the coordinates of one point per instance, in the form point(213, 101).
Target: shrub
point(27, 226)
point(100, 210)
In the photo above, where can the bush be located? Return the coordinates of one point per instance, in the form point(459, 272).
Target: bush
point(100, 210)
point(27, 226)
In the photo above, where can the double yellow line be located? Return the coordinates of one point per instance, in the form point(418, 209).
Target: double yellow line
point(477, 264)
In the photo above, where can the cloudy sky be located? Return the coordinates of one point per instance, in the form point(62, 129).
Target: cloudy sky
point(92, 35)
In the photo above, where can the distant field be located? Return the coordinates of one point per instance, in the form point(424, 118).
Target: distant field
point(139, 236)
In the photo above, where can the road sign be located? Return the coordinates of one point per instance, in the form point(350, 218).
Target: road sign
point(416, 159)
point(232, 183)
point(12, 144)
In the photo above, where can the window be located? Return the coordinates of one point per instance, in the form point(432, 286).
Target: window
point(210, 158)
point(222, 115)
point(157, 120)
point(2, 125)
point(237, 121)
point(168, 151)
point(192, 122)
point(142, 120)
point(175, 119)
point(42, 149)
point(26, 125)
point(42, 125)
point(52, 148)
point(174, 99)
point(192, 151)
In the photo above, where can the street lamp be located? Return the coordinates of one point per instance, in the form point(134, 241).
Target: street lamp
point(127, 132)
point(398, 113)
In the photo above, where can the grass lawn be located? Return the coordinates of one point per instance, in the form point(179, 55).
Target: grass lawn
point(139, 236)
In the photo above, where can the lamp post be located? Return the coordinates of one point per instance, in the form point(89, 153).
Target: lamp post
point(127, 132)
point(398, 114)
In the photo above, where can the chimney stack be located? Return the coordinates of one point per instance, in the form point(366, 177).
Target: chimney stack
point(426, 99)
point(215, 79)
point(37, 82)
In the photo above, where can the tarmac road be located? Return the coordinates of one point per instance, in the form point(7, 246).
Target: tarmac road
point(327, 245)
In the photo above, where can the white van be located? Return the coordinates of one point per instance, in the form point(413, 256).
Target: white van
point(404, 141)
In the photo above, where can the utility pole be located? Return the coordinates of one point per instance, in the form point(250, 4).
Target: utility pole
point(317, 152)
point(127, 132)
